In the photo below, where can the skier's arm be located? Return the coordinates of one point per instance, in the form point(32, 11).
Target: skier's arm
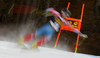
point(69, 25)
point(57, 14)
point(75, 30)
point(53, 12)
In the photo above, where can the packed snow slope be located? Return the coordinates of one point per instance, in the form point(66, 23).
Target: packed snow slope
point(12, 50)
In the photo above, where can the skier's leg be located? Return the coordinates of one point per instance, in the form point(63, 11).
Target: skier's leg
point(41, 41)
point(48, 32)
point(25, 38)
point(31, 36)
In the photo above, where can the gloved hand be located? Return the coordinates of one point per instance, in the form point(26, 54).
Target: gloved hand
point(83, 35)
point(48, 14)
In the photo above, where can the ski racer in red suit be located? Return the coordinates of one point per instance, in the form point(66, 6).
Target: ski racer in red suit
point(50, 28)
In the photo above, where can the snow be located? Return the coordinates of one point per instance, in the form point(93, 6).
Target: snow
point(12, 50)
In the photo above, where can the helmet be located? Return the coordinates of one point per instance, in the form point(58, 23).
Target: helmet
point(65, 12)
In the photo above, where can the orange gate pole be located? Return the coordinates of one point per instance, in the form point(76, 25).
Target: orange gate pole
point(79, 28)
point(60, 29)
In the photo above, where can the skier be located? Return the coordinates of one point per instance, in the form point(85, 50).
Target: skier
point(50, 28)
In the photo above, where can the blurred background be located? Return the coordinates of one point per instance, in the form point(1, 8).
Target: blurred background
point(20, 17)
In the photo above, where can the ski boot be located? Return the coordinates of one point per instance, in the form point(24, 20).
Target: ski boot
point(21, 41)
